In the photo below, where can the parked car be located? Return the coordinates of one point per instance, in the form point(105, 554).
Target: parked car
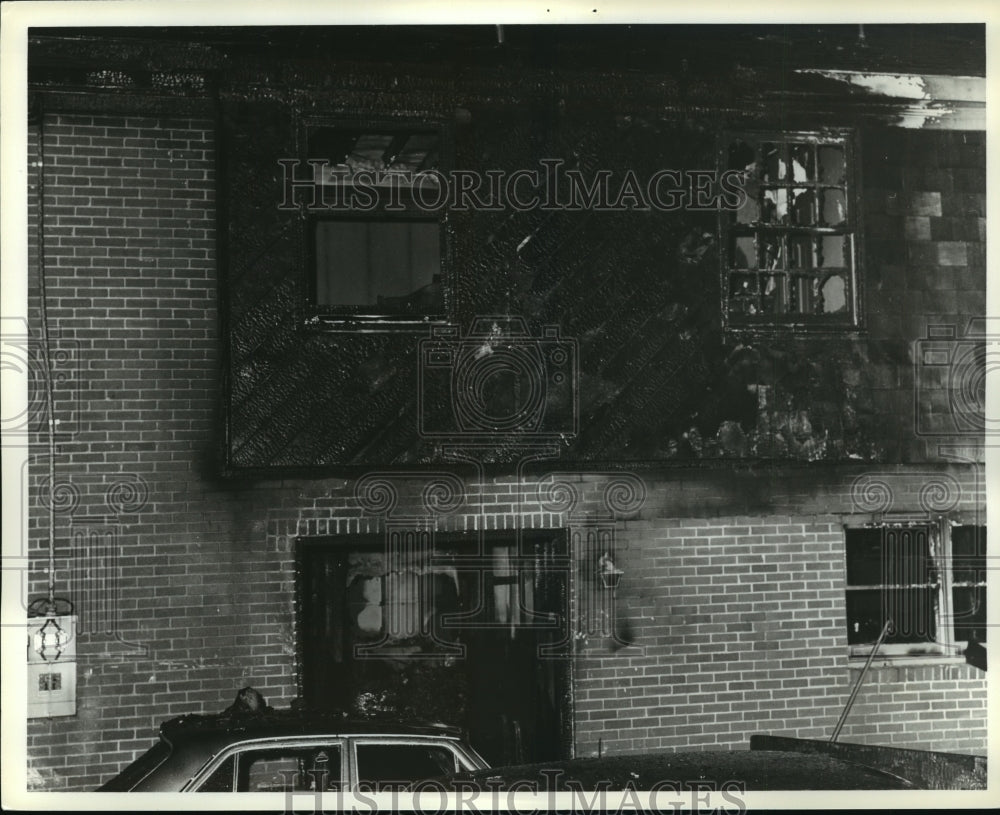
point(733, 771)
point(282, 751)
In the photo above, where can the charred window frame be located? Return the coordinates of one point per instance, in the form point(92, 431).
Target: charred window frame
point(928, 577)
point(790, 253)
point(376, 239)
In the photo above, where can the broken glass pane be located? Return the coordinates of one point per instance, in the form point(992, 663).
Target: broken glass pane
point(743, 297)
point(831, 164)
point(770, 252)
point(743, 305)
point(775, 206)
point(801, 252)
point(832, 248)
point(834, 207)
point(745, 253)
point(834, 295)
point(741, 285)
point(802, 163)
point(773, 162)
point(803, 294)
point(797, 190)
point(774, 298)
point(801, 206)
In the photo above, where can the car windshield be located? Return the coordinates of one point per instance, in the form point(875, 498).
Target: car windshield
point(138, 769)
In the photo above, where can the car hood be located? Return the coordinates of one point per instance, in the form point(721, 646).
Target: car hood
point(742, 769)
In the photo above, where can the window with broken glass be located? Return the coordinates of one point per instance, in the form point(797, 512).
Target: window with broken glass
point(928, 579)
point(375, 235)
point(790, 251)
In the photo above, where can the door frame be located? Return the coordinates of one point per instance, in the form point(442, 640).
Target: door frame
point(369, 541)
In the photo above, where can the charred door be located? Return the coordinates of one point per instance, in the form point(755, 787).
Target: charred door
point(471, 632)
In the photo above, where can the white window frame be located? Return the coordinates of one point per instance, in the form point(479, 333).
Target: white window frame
point(790, 321)
point(945, 646)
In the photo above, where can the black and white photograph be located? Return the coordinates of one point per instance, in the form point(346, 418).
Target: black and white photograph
point(582, 409)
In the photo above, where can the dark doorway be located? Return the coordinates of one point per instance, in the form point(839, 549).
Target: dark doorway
point(469, 630)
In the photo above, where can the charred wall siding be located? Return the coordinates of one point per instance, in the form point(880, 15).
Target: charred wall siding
point(639, 292)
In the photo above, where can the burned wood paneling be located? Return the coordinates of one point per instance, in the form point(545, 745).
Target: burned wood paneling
point(637, 291)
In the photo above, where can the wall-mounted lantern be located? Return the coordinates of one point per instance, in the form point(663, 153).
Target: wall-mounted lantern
point(610, 574)
point(50, 640)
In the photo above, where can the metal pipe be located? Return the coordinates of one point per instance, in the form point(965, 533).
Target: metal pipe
point(861, 678)
point(46, 358)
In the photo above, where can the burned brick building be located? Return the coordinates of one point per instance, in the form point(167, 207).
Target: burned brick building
point(596, 389)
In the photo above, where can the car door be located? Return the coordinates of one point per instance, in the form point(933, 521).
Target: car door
point(276, 765)
point(385, 762)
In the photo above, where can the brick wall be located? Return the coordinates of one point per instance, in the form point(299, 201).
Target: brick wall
point(131, 280)
point(737, 621)
point(742, 626)
point(733, 581)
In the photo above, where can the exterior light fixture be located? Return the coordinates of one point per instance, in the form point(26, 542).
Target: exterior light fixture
point(49, 640)
point(610, 574)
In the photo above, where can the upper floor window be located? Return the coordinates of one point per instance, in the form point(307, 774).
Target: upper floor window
point(790, 252)
point(375, 236)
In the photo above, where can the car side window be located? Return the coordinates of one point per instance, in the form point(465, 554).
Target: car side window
point(284, 769)
point(293, 768)
point(383, 766)
point(222, 779)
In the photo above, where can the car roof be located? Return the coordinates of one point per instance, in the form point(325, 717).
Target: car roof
point(224, 727)
point(757, 769)
point(191, 740)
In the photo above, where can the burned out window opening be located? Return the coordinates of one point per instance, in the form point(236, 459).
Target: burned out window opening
point(375, 236)
point(929, 579)
point(790, 251)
